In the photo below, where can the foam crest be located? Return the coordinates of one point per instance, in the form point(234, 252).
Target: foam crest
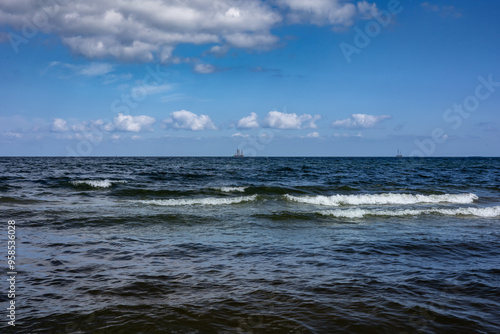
point(96, 183)
point(383, 199)
point(488, 212)
point(200, 201)
point(232, 189)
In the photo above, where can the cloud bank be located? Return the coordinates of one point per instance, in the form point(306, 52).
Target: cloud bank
point(149, 30)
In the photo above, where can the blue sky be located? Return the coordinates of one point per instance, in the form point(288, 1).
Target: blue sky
point(274, 78)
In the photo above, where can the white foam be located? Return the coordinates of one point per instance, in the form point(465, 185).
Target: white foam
point(383, 199)
point(488, 212)
point(200, 201)
point(232, 189)
point(96, 183)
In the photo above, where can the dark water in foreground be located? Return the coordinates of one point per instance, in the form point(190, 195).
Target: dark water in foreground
point(253, 245)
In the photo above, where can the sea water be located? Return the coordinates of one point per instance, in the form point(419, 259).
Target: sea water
point(253, 245)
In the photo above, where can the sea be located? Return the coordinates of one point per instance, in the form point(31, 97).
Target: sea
point(251, 245)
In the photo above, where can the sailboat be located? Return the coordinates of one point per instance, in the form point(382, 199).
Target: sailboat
point(239, 154)
point(399, 155)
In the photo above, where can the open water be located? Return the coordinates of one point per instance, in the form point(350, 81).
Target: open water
point(253, 245)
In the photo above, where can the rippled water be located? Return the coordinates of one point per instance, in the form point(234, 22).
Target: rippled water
point(254, 245)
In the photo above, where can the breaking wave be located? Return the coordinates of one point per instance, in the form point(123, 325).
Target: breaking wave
point(383, 199)
point(96, 183)
point(488, 212)
point(200, 201)
point(232, 189)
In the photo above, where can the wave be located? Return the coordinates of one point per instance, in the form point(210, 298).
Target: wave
point(383, 199)
point(96, 183)
point(200, 201)
point(488, 212)
point(231, 189)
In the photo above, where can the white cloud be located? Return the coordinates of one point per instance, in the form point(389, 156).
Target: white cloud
point(444, 11)
point(80, 127)
point(204, 68)
point(322, 12)
point(251, 41)
point(89, 70)
point(144, 30)
point(367, 10)
point(95, 69)
point(360, 121)
point(313, 135)
point(346, 135)
point(173, 97)
point(103, 46)
point(219, 50)
point(248, 122)
point(130, 123)
point(280, 120)
point(60, 125)
point(238, 134)
point(149, 30)
point(14, 135)
point(184, 119)
point(143, 90)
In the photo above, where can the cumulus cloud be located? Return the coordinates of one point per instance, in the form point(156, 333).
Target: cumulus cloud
point(60, 125)
point(204, 68)
point(184, 119)
point(251, 41)
point(367, 10)
point(130, 123)
point(142, 30)
point(149, 30)
point(248, 122)
point(218, 50)
point(280, 120)
point(360, 121)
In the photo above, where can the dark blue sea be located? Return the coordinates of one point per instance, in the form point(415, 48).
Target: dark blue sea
point(252, 245)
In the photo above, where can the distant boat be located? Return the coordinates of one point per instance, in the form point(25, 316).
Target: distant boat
point(239, 154)
point(399, 155)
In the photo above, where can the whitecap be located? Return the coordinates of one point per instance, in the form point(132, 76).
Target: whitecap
point(232, 189)
point(96, 183)
point(383, 199)
point(485, 212)
point(200, 201)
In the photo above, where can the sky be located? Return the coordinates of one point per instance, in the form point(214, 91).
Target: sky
point(272, 78)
